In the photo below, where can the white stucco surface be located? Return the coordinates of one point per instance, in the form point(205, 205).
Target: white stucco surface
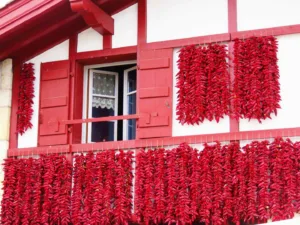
point(257, 14)
point(175, 19)
point(89, 40)
point(125, 27)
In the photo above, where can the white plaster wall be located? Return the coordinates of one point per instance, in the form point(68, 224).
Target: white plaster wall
point(89, 40)
point(288, 62)
point(59, 52)
point(256, 14)
point(125, 27)
point(175, 19)
point(207, 127)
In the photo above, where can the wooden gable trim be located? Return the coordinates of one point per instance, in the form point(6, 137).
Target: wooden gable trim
point(9, 23)
point(94, 16)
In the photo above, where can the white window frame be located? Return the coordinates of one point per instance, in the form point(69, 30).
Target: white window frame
point(125, 100)
point(85, 137)
point(115, 97)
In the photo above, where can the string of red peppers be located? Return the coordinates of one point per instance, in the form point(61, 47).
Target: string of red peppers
point(217, 185)
point(36, 191)
point(102, 191)
point(203, 81)
point(26, 95)
point(203, 84)
point(256, 88)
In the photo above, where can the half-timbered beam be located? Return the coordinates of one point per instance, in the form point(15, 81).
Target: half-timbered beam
point(94, 16)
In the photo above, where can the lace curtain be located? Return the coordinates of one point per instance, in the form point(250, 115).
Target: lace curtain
point(103, 84)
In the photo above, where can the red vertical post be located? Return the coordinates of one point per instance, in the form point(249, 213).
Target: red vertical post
point(72, 56)
point(232, 27)
point(107, 41)
point(142, 39)
point(13, 136)
point(142, 22)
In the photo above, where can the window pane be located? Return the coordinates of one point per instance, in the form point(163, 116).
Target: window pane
point(103, 131)
point(131, 110)
point(103, 84)
point(132, 103)
point(132, 81)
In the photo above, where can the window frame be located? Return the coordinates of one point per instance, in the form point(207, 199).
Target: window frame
point(125, 100)
point(90, 103)
point(85, 136)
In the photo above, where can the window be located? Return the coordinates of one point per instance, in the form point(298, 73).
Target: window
point(129, 130)
point(110, 91)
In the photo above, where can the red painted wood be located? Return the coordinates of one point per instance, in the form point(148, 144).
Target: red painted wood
point(78, 103)
point(159, 142)
point(48, 41)
point(36, 35)
point(274, 31)
point(107, 41)
point(28, 12)
point(94, 16)
point(234, 124)
point(38, 150)
point(107, 55)
point(142, 22)
point(13, 136)
point(154, 92)
point(160, 76)
point(101, 119)
point(73, 73)
point(51, 130)
point(54, 102)
point(155, 121)
point(154, 63)
point(232, 16)
point(187, 41)
point(115, 6)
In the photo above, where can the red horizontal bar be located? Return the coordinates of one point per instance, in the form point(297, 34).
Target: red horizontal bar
point(274, 31)
point(106, 53)
point(187, 41)
point(102, 119)
point(158, 142)
point(38, 150)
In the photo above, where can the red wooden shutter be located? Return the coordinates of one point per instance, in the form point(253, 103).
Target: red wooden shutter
point(54, 103)
point(155, 93)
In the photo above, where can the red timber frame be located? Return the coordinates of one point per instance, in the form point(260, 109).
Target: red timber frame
point(132, 52)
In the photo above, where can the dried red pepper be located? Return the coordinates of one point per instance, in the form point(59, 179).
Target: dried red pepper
point(256, 88)
point(25, 100)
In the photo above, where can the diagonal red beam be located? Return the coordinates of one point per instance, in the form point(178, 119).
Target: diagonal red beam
point(94, 16)
point(37, 36)
point(28, 11)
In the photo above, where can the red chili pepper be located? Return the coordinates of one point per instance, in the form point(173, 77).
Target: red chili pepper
point(25, 100)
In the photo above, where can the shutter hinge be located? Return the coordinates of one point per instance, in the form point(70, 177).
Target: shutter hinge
point(71, 74)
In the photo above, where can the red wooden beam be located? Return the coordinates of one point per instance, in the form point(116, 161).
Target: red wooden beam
point(107, 55)
point(94, 16)
point(37, 36)
point(13, 135)
point(187, 41)
point(102, 119)
point(232, 27)
point(159, 142)
point(274, 31)
point(28, 11)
